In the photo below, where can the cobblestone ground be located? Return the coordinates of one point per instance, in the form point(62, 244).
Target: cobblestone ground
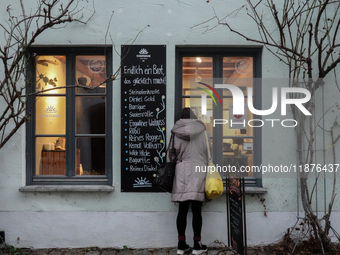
point(99, 251)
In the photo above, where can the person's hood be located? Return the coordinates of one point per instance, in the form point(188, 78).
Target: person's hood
point(188, 128)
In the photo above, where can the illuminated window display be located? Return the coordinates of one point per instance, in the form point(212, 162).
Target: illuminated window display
point(70, 117)
point(204, 66)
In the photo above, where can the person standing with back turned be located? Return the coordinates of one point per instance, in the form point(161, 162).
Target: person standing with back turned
point(188, 187)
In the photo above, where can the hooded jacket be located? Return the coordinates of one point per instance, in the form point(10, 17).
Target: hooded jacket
point(191, 151)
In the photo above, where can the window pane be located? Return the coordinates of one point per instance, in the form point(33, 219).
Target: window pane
point(50, 115)
point(51, 74)
point(237, 153)
point(236, 70)
point(90, 115)
point(197, 69)
point(90, 72)
point(237, 124)
point(90, 156)
point(50, 156)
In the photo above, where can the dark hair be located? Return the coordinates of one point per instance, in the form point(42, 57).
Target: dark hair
point(187, 113)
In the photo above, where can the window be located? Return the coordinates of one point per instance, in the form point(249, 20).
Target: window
point(69, 136)
point(232, 145)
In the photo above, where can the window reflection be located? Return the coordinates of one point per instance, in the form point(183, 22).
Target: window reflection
point(237, 138)
point(90, 72)
point(51, 74)
point(90, 115)
point(198, 69)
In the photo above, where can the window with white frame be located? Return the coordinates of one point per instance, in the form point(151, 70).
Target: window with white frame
point(69, 138)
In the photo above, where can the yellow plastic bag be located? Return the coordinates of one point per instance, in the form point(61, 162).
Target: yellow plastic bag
point(213, 183)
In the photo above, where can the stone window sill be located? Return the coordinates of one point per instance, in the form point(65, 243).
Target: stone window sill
point(255, 190)
point(252, 190)
point(67, 188)
point(101, 188)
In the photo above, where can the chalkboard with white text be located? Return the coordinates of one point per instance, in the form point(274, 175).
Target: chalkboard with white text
point(143, 119)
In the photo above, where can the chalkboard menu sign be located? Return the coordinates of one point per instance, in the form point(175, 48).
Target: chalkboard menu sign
point(237, 237)
point(143, 90)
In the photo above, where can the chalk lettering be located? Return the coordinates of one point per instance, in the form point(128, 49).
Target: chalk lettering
point(152, 138)
point(136, 99)
point(133, 70)
point(133, 152)
point(149, 99)
point(157, 70)
point(143, 160)
point(143, 81)
point(154, 122)
point(159, 80)
point(150, 145)
point(144, 153)
point(135, 145)
point(138, 123)
point(135, 168)
point(147, 114)
point(136, 138)
point(137, 107)
point(134, 131)
point(127, 81)
point(149, 168)
point(144, 92)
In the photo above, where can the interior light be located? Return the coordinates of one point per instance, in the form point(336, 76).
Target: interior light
point(199, 60)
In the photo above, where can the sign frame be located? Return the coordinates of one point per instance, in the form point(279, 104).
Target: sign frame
point(143, 115)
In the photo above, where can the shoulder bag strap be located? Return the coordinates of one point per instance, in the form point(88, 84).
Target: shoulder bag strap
point(208, 149)
point(172, 144)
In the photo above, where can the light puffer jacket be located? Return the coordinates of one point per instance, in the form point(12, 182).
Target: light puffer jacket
point(191, 150)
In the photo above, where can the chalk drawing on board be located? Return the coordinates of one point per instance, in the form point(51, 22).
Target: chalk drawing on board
point(142, 183)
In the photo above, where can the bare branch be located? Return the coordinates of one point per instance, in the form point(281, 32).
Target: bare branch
point(19, 35)
point(108, 79)
point(108, 27)
point(295, 37)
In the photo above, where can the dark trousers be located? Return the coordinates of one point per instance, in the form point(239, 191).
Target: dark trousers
point(196, 208)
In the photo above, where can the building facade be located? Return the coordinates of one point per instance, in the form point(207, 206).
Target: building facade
point(78, 174)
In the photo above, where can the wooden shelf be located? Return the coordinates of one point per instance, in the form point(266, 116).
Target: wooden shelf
point(53, 162)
